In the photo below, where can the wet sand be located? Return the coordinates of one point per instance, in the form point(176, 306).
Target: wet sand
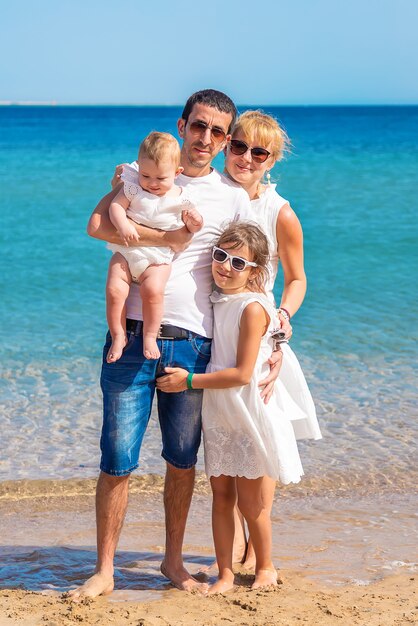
point(346, 559)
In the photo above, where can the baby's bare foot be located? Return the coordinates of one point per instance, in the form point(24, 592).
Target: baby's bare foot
point(116, 349)
point(96, 585)
point(265, 578)
point(151, 350)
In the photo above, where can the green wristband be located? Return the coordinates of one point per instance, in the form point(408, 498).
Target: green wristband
point(189, 380)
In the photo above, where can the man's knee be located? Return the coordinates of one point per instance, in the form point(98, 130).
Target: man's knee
point(110, 481)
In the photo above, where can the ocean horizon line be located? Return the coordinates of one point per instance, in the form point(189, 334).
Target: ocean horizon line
point(53, 103)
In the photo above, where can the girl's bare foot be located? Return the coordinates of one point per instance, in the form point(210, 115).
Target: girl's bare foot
point(222, 585)
point(265, 578)
point(96, 585)
point(116, 349)
point(151, 350)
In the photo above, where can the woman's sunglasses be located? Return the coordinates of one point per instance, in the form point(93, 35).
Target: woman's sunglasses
point(259, 155)
point(198, 128)
point(237, 263)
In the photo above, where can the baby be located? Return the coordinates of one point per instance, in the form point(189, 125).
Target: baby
point(156, 202)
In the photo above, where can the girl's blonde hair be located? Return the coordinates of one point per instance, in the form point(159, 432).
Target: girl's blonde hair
point(263, 129)
point(160, 146)
point(249, 234)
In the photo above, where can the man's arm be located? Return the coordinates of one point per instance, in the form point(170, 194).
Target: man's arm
point(100, 227)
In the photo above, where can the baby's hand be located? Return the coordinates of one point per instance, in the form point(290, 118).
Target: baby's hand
point(117, 175)
point(192, 219)
point(128, 234)
point(174, 381)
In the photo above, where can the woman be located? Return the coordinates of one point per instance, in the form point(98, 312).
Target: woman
point(257, 144)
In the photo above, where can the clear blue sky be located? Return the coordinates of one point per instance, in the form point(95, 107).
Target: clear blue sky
point(158, 52)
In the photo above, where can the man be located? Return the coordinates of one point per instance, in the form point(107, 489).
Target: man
point(129, 384)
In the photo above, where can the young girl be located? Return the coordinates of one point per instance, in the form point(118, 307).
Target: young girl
point(157, 202)
point(245, 439)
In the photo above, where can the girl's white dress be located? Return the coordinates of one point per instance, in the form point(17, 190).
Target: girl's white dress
point(242, 435)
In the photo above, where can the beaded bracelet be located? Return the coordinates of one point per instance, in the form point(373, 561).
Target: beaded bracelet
point(284, 312)
point(189, 380)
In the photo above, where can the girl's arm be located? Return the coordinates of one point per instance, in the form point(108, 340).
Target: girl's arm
point(254, 323)
point(101, 227)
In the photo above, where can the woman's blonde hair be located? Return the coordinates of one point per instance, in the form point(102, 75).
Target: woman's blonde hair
point(249, 234)
point(263, 129)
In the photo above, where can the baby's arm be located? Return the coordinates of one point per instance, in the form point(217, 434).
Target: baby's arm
point(192, 219)
point(254, 323)
point(119, 219)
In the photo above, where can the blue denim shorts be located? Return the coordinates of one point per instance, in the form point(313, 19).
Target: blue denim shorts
point(128, 388)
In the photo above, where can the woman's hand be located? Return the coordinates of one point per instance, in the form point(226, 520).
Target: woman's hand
point(267, 384)
point(174, 380)
point(116, 180)
point(285, 326)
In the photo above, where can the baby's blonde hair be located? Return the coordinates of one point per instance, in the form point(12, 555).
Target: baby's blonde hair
point(160, 146)
point(264, 130)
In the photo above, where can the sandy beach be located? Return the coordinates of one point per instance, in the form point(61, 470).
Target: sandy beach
point(48, 538)
point(391, 602)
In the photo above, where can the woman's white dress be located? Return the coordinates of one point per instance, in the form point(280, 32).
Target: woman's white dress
point(242, 435)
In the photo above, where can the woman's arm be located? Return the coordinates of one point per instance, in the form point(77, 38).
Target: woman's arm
point(290, 249)
point(101, 227)
point(254, 323)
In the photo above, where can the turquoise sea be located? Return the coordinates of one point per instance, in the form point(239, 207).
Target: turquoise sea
point(352, 179)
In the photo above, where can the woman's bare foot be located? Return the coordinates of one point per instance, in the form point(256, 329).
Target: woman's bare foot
point(222, 585)
point(181, 579)
point(96, 585)
point(116, 349)
point(265, 578)
point(151, 350)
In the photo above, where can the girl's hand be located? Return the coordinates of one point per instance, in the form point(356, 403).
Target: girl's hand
point(116, 176)
point(174, 381)
point(267, 385)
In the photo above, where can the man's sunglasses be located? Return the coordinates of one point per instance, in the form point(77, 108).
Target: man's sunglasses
point(259, 155)
point(198, 128)
point(237, 263)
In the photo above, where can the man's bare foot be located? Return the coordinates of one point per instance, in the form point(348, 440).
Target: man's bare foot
point(181, 579)
point(151, 350)
point(97, 585)
point(265, 578)
point(222, 585)
point(116, 349)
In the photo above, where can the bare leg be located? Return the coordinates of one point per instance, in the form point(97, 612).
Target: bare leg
point(224, 498)
point(111, 503)
point(178, 491)
point(251, 504)
point(152, 285)
point(268, 488)
point(117, 290)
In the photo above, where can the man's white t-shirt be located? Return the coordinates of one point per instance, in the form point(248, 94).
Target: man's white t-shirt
point(186, 301)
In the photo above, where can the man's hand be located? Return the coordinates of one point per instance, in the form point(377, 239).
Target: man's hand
point(174, 381)
point(267, 384)
point(178, 240)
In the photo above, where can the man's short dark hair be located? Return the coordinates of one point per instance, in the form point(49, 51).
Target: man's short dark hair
point(211, 98)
